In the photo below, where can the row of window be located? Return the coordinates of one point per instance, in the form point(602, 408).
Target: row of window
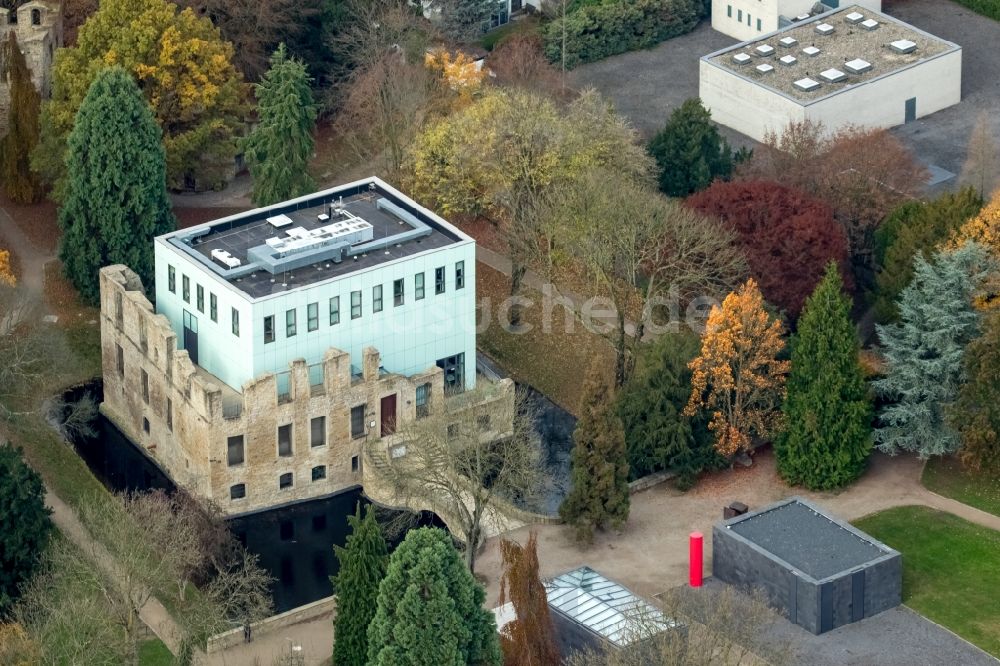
point(739, 16)
point(286, 480)
point(398, 298)
point(213, 301)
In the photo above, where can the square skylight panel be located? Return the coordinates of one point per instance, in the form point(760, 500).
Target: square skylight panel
point(788, 60)
point(811, 51)
point(854, 17)
point(824, 29)
point(806, 84)
point(903, 46)
point(788, 42)
point(765, 68)
point(741, 58)
point(765, 50)
point(857, 66)
point(832, 75)
point(869, 24)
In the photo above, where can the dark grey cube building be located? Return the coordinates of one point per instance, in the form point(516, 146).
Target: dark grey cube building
point(821, 572)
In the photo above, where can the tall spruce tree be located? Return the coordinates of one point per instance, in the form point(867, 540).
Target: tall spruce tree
point(430, 609)
point(19, 182)
point(925, 351)
point(827, 410)
point(598, 496)
point(976, 413)
point(658, 436)
point(116, 196)
point(363, 561)
point(689, 151)
point(24, 524)
point(279, 147)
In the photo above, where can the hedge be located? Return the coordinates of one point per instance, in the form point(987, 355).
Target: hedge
point(601, 30)
point(989, 8)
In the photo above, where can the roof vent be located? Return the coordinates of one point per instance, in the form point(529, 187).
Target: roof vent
point(824, 29)
point(869, 24)
point(788, 60)
point(811, 51)
point(854, 17)
point(806, 85)
point(858, 66)
point(802, 17)
point(788, 42)
point(764, 69)
point(832, 75)
point(741, 58)
point(765, 50)
point(903, 46)
point(279, 221)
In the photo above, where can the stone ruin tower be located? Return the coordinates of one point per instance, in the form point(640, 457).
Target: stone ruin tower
point(38, 25)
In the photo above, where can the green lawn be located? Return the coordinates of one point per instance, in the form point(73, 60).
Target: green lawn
point(951, 569)
point(154, 653)
point(948, 477)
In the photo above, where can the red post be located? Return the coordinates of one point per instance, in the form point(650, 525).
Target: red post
point(695, 549)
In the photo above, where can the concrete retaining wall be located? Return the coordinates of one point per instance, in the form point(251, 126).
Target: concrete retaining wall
point(317, 609)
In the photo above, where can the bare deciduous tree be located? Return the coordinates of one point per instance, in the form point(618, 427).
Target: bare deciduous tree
point(982, 163)
point(519, 62)
point(467, 461)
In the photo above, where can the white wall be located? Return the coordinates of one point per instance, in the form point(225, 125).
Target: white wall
point(742, 25)
point(742, 104)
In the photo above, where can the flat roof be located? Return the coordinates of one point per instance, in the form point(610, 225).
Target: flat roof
point(848, 43)
point(329, 234)
point(806, 538)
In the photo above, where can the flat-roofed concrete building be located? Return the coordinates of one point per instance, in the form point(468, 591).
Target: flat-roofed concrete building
point(851, 66)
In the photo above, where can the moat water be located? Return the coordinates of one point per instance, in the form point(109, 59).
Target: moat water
point(295, 542)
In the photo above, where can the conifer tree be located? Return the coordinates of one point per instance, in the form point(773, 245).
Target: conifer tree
point(430, 609)
point(827, 435)
point(689, 151)
point(658, 436)
point(279, 147)
point(19, 182)
point(25, 525)
point(924, 352)
point(598, 495)
point(527, 640)
point(116, 198)
point(976, 413)
point(363, 561)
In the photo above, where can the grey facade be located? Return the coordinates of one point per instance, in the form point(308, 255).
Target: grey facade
point(820, 572)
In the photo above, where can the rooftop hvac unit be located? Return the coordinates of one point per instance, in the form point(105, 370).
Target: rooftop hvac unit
point(854, 17)
point(806, 84)
point(765, 50)
point(802, 17)
point(788, 60)
point(741, 58)
point(279, 221)
point(869, 24)
point(903, 46)
point(824, 29)
point(765, 68)
point(788, 42)
point(811, 51)
point(857, 66)
point(833, 75)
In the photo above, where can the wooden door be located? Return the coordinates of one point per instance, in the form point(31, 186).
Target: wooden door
point(388, 412)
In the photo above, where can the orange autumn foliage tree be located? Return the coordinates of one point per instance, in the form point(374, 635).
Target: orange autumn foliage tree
point(528, 639)
point(459, 72)
point(985, 230)
point(738, 377)
point(6, 270)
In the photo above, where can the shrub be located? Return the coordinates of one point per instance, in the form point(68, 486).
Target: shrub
point(989, 8)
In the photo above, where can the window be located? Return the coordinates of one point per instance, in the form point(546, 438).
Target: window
point(200, 291)
point(748, 18)
point(144, 380)
point(418, 286)
point(758, 25)
point(12, 17)
point(319, 472)
point(234, 450)
point(239, 491)
point(170, 415)
point(334, 310)
point(358, 421)
point(289, 323)
point(459, 275)
point(355, 304)
point(171, 280)
point(439, 280)
point(285, 481)
point(317, 431)
point(454, 373)
point(121, 360)
point(355, 463)
point(397, 293)
point(268, 329)
point(145, 425)
point(739, 15)
point(377, 298)
point(729, 11)
point(423, 400)
point(213, 307)
point(186, 288)
point(236, 322)
point(36, 17)
point(285, 440)
point(312, 316)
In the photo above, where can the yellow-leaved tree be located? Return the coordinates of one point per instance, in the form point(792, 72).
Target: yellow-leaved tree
point(7, 276)
point(459, 72)
point(985, 230)
point(738, 377)
point(184, 69)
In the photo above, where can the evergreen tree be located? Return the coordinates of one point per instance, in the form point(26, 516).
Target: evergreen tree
point(279, 147)
point(599, 492)
point(19, 182)
point(363, 562)
point(689, 151)
point(116, 196)
point(827, 436)
point(24, 524)
point(430, 609)
point(466, 20)
point(658, 436)
point(976, 413)
point(924, 352)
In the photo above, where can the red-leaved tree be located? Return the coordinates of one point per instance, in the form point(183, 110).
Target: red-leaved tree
point(527, 640)
point(788, 236)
